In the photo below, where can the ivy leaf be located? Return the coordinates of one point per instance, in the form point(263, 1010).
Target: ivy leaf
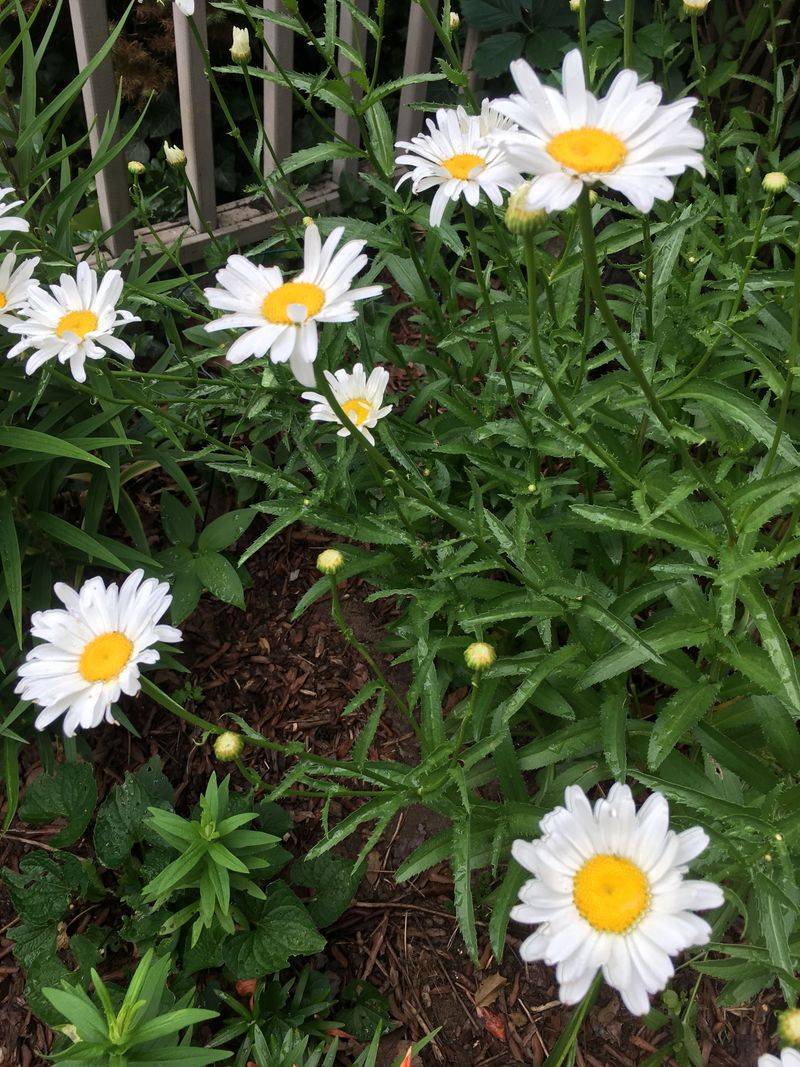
point(70, 793)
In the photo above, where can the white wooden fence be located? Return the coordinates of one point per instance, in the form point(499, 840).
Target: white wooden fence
point(248, 219)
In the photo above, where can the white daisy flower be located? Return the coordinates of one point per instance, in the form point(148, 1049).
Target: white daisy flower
point(489, 120)
point(15, 284)
point(788, 1058)
point(609, 893)
point(92, 650)
point(186, 6)
point(281, 317)
point(359, 397)
point(11, 222)
point(454, 158)
point(627, 141)
point(73, 322)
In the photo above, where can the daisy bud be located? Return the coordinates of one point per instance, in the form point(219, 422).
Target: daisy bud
point(240, 49)
point(575, 5)
point(789, 1027)
point(70, 1032)
point(455, 21)
point(479, 655)
point(176, 157)
point(593, 197)
point(307, 221)
point(695, 7)
point(330, 561)
point(228, 746)
point(775, 182)
point(520, 218)
point(136, 168)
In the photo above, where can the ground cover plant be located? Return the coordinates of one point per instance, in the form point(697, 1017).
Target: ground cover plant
point(530, 419)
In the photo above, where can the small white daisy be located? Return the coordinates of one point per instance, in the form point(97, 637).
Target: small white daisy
point(454, 158)
point(627, 141)
point(609, 893)
point(73, 322)
point(489, 120)
point(280, 318)
point(93, 649)
point(788, 1058)
point(359, 397)
point(15, 284)
point(11, 222)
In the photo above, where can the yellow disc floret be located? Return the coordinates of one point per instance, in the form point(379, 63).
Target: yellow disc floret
point(588, 150)
point(462, 165)
point(358, 410)
point(105, 656)
point(611, 893)
point(276, 303)
point(79, 323)
point(3, 301)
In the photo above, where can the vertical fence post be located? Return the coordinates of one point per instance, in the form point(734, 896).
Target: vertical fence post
point(470, 48)
point(353, 33)
point(418, 58)
point(277, 98)
point(90, 29)
point(195, 100)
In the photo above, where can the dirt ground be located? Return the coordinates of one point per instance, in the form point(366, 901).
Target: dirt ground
point(291, 681)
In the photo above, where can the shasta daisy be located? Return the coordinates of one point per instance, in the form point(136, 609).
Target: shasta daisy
point(359, 397)
point(15, 284)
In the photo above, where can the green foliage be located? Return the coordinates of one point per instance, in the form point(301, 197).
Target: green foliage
point(600, 482)
point(142, 1029)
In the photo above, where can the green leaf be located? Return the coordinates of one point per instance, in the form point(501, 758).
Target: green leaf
point(224, 531)
point(70, 793)
point(44, 444)
point(682, 711)
point(220, 578)
point(11, 561)
point(120, 818)
point(772, 637)
point(177, 520)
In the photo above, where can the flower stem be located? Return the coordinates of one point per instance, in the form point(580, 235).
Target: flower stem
point(569, 1036)
point(366, 655)
point(630, 357)
point(711, 133)
point(627, 39)
point(583, 42)
point(648, 279)
point(498, 348)
point(790, 369)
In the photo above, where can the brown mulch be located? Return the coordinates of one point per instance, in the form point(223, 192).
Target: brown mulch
point(290, 680)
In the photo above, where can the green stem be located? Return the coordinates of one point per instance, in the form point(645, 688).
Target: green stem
point(203, 221)
point(790, 369)
point(630, 357)
point(648, 279)
point(538, 357)
point(711, 133)
point(583, 41)
point(487, 303)
point(366, 655)
point(569, 1037)
point(627, 39)
point(434, 311)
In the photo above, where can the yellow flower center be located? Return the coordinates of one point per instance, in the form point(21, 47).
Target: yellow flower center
point(462, 165)
point(611, 893)
point(357, 410)
point(3, 301)
point(105, 656)
point(306, 293)
point(78, 323)
point(588, 150)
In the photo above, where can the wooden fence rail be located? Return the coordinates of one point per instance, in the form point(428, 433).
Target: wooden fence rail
point(249, 219)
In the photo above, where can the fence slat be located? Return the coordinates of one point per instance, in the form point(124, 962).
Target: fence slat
point(470, 48)
point(195, 100)
point(418, 59)
point(90, 28)
point(345, 125)
point(277, 98)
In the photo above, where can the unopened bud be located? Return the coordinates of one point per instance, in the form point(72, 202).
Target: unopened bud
point(176, 157)
point(135, 167)
point(695, 7)
point(228, 746)
point(455, 21)
point(789, 1027)
point(479, 655)
point(240, 49)
point(575, 5)
point(307, 221)
point(519, 217)
point(330, 561)
point(775, 182)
